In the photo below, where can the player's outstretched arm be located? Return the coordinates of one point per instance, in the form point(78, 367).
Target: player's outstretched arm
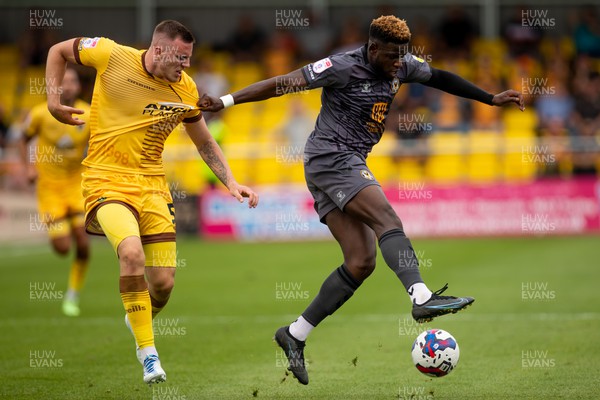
point(58, 56)
point(454, 84)
point(272, 87)
point(213, 157)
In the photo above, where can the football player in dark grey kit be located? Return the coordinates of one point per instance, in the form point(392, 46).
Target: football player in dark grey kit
point(358, 88)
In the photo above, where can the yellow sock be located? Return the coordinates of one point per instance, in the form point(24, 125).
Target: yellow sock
point(139, 312)
point(77, 274)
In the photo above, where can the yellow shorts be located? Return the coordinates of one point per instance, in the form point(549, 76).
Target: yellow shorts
point(60, 205)
point(147, 197)
point(118, 223)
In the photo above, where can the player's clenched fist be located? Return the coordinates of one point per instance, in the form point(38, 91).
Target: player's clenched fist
point(209, 103)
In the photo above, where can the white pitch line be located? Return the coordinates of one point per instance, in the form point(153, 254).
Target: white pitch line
point(274, 319)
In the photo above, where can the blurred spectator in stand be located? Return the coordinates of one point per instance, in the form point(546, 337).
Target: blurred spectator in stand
point(456, 32)
point(587, 32)
point(555, 159)
point(411, 121)
point(558, 104)
point(522, 35)
point(351, 36)
point(316, 41)
point(585, 124)
point(487, 75)
point(34, 45)
point(281, 54)
point(208, 80)
point(247, 41)
point(422, 43)
point(451, 113)
point(299, 123)
point(3, 130)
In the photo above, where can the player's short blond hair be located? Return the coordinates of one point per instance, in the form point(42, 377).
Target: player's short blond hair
point(389, 29)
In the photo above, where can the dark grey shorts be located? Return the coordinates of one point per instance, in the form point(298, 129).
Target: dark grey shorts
point(335, 178)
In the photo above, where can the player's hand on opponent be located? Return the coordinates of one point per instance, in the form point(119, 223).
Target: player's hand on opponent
point(509, 96)
point(240, 191)
point(64, 114)
point(209, 103)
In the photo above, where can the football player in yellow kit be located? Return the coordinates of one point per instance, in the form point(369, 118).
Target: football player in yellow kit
point(139, 97)
point(55, 160)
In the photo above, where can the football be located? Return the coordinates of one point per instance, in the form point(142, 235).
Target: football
point(435, 352)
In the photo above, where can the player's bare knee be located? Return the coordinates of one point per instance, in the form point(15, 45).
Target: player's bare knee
point(61, 246)
point(132, 258)
point(361, 266)
point(163, 285)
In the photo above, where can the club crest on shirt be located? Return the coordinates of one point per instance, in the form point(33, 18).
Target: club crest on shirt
point(366, 174)
point(395, 85)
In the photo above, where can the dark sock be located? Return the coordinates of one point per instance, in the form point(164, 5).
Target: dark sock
point(399, 255)
point(337, 288)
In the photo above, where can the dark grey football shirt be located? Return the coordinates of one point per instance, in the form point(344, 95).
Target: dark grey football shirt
point(355, 100)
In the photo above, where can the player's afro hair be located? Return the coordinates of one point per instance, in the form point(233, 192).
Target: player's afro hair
point(389, 29)
point(173, 29)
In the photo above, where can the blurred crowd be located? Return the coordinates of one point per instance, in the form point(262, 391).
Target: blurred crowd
point(559, 75)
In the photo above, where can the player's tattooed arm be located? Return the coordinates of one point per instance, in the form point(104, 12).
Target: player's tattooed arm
point(272, 87)
point(212, 155)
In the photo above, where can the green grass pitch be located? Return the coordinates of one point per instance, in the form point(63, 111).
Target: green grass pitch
point(531, 334)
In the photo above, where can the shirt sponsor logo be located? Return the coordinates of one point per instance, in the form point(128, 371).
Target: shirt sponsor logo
point(162, 108)
point(378, 112)
point(322, 65)
point(365, 87)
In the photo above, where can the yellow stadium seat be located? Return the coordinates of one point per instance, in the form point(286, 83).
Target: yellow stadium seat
point(515, 121)
point(268, 171)
point(517, 166)
point(244, 74)
point(383, 168)
point(483, 162)
point(446, 164)
point(409, 171)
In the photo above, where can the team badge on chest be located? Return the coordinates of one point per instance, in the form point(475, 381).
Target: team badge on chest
point(395, 85)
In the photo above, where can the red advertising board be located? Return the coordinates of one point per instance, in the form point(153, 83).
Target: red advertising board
point(549, 207)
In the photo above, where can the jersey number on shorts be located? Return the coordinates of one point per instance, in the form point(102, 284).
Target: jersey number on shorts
point(172, 211)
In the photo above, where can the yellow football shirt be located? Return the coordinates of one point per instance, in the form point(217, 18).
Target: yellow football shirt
point(133, 112)
point(60, 148)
